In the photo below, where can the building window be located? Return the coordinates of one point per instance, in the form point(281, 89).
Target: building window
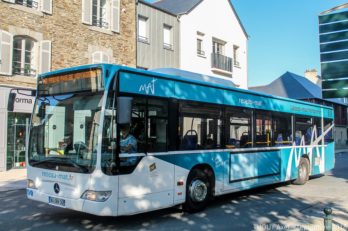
point(24, 56)
point(200, 44)
point(103, 14)
point(40, 5)
point(100, 57)
point(28, 3)
point(218, 59)
point(167, 37)
point(236, 56)
point(200, 50)
point(99, 14)
point(143, 35)
point(218, 47)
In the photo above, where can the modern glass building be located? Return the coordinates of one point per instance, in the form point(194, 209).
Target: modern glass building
point(333, 30)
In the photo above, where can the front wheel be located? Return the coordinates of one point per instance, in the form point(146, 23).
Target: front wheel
point(198, 190)
point(303, 172)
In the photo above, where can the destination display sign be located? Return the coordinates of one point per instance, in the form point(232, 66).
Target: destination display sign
point(86, 80)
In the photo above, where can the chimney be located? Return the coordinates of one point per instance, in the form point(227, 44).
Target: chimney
point(312, 75)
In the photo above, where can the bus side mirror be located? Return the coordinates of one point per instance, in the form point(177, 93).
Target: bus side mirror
point(42, 111)
point(11, 101)
point(124, 110)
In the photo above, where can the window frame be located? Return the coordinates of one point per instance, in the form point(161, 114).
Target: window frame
point(33, 67)
point(97, 22)
point(218, 46)
point(170, 45)
point(146, 119)
point(143, 38)
point(219, 117)
point(236, 52)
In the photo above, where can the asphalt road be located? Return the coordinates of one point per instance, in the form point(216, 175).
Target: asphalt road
point(279, 207)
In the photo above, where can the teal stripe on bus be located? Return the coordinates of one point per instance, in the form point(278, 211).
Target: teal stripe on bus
point(152, 86)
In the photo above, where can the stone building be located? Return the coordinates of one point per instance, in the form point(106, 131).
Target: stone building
point(37, 36)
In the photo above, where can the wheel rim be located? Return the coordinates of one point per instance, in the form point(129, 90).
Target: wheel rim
point(302, 172)
point(198, 191)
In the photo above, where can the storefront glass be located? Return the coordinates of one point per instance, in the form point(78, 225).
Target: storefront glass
point(18, 124)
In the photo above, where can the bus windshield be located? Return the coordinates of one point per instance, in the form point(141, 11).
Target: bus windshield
point(64, 132)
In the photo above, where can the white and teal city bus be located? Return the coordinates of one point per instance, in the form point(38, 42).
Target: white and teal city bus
point(111, 140)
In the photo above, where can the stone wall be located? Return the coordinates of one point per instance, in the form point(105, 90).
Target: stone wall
point(72, 41)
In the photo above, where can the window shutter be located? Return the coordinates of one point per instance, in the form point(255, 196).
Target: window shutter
point(6, 44)
point(87, 12)
point(45, 56)
point(115, 15)
point(46, 6)
point(11, 1)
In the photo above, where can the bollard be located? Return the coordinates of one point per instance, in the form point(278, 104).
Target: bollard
point(328, 219)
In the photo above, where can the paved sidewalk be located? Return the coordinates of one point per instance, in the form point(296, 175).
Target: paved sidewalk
point(13, 179)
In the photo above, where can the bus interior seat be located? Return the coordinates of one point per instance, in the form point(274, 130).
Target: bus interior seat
point(190, 140)
point(244, 139)
point(297, 140)
point(279, 140)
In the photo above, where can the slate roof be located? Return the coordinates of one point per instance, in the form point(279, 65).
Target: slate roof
point(293, 86)
point(194, 76)
point(177, 6)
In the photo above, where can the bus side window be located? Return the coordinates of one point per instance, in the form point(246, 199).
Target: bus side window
point(137, 127)
point(329, 135)
point(263, 136)
point(157, 135)
point(282, 131)
point(317, 124)
point(200, 127)
point(238, 129)
point(303, 129)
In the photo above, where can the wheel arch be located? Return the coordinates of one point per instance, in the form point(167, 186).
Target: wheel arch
point(206, 167)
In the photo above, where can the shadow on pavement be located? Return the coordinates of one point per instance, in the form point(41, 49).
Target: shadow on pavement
point(240, 211)
point(265, 208)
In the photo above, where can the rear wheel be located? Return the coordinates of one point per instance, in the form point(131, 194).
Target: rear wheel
point(303, 172)
point(198, 190)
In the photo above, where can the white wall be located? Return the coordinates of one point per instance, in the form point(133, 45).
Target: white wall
point(214, 18)
point(3, 126)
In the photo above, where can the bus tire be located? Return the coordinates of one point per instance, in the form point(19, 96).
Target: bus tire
point(303, 172)
point(198, 190)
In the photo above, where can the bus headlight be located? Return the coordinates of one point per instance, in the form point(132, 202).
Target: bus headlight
point(31, 184)
point(98, 196)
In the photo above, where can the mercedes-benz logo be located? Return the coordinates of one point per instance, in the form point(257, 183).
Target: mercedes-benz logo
point(56, 188)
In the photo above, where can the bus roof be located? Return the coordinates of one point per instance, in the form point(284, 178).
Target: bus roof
point(114, 67)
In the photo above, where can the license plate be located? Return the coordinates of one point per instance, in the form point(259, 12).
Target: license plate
point(56, 201)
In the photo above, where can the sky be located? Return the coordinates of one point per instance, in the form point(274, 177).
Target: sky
point(283, 36)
